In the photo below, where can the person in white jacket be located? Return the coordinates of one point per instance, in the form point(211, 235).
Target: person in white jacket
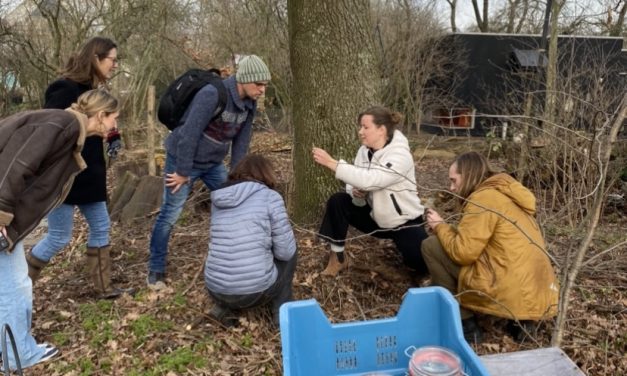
point(380, 197)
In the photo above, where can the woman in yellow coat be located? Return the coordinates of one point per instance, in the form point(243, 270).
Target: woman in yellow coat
point(495, 258)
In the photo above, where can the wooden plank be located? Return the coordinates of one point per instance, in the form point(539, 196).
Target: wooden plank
point(538, 362)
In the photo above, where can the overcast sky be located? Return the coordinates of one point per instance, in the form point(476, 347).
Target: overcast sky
point(465, 16)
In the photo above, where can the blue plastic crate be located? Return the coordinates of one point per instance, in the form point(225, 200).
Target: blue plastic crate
point(427, 316)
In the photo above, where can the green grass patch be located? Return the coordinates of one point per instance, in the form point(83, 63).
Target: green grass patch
point(181, 359)
point(95, 319)
point(60, 338)
point(179, 300)
point(146, 324)
point(247, 341)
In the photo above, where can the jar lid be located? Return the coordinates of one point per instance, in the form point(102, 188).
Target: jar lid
point(434, 361)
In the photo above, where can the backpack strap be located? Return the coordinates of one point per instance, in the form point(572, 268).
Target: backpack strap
point(222, 98)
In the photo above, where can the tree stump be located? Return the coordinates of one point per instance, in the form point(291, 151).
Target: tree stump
point(146, 199)
point(122, 194)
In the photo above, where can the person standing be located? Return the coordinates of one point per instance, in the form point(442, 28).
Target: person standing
point(197, 149)
point(380, 197)
point(39, 157)
point(495, 257)
point(252, 251)
point(91, 67)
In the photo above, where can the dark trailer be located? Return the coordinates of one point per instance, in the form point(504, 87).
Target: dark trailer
point(498, 69)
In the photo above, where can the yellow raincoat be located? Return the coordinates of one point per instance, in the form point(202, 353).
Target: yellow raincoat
point(500, 249)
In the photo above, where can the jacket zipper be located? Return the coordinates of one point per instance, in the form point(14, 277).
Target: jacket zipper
point(396, 206)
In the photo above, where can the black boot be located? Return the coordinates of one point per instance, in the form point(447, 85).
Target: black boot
point(472, 331)
point(224, 315)
point(519, 330)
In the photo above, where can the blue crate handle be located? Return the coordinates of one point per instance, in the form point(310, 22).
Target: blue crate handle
point(311, 345)
point(6, 329)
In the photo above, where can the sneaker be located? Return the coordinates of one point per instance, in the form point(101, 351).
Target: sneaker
point(50, 352)
point(472, 331)
point(156, 280)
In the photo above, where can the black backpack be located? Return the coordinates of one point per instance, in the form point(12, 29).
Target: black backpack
point(180, 93)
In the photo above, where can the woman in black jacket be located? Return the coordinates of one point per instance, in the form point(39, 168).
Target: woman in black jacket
point(88, 69)
point(39, 157)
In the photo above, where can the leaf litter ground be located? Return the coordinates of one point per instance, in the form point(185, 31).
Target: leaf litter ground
point(169, 332)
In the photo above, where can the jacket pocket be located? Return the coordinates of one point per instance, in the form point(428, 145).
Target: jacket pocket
point(396, 206)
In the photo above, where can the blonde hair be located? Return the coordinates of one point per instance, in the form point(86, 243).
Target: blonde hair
point(92, 102)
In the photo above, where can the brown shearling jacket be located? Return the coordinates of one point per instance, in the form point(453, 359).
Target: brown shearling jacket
point(39, 157)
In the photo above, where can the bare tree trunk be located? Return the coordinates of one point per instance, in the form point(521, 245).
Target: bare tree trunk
point(523, 17)
point(551, 70)
point(481, 17)
point(453, 5)
point(589, 225)
point(616, 30)
point(523, 158)
point(333, 64)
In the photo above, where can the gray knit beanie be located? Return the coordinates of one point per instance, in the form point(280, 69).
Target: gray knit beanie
point(252, 69)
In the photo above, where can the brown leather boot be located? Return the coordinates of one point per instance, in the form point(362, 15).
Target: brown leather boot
point(35, 266)
point(334, 266)
point(99, 265)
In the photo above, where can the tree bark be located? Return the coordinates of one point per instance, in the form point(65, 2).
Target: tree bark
point(333, 63)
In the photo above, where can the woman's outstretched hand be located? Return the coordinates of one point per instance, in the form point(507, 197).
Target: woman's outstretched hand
point(323, 158)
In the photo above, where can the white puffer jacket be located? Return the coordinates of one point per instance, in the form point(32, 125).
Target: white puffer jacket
point(389, 178)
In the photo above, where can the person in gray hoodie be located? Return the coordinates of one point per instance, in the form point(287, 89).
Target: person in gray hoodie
point(252, 251)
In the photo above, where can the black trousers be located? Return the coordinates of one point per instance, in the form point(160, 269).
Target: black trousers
point(277, 294)
point(341, 212)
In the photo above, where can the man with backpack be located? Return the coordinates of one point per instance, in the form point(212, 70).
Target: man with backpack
point(197, 147)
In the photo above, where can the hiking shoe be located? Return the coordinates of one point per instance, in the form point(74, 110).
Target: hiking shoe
point(472, 331)
point(50, 352)
point(156, 280)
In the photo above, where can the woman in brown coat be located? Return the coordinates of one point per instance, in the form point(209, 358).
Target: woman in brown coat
point(40, 153)
point(495, 258)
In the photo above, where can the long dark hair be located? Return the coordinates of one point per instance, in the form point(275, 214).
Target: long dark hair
point(254, 167)
point(82, 66)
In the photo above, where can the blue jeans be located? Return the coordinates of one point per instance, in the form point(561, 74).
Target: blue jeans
point(172, 206)
point(61, 223)
point(16, 305)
